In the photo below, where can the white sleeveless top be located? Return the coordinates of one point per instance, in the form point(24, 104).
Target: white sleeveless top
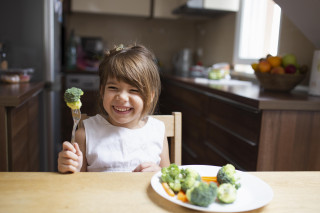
point(119, 149)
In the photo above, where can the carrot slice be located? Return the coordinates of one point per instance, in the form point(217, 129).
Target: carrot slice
point(182, 196)
point(168, 189)
point(209, 178)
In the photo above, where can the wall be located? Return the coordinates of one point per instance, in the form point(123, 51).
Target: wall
point(217, 38)
point(167, 36)
point(164, 36)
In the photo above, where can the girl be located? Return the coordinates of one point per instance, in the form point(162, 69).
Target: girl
point(122, 137)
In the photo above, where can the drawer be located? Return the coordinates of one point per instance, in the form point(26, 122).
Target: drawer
point(239, 120)
point(234, 150)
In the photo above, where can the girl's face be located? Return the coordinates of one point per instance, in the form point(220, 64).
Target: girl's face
point(123, 104)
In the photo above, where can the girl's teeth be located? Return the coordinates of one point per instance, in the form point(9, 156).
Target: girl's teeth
point(122, 109)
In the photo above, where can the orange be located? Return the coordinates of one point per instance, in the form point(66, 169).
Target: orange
point(254, 66)
point(274, 61)
point(277, 70)
point(264, 66)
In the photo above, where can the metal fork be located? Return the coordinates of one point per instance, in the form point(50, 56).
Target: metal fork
point(76, 115)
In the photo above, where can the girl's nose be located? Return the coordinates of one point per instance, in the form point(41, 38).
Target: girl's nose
point(123, 96)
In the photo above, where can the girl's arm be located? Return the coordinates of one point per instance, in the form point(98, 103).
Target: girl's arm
point(165, 161)
point(71, 158)
point(152, 167)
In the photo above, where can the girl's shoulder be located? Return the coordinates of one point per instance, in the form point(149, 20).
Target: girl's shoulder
point(153, 122)
point(96, 121)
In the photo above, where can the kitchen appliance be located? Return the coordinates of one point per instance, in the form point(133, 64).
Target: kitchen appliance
point(33, 38)
point(182, 62)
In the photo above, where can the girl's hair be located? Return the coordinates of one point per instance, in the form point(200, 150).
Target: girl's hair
point(134, 65)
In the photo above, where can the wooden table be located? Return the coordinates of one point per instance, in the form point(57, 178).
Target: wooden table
point(132, 192)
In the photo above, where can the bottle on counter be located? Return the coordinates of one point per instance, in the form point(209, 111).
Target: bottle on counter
point(3, 58)
point(71, 52)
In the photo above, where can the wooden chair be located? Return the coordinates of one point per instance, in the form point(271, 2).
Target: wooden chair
point(173, 126)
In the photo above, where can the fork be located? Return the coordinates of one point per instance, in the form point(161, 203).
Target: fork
point(76, 115)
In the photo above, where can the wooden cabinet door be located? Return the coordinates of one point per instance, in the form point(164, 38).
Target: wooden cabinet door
point(115, 7)
point(23, 136)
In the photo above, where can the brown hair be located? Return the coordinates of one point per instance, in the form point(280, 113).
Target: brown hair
point(135, 65)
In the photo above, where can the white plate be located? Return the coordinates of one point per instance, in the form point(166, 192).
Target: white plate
point(253, 193)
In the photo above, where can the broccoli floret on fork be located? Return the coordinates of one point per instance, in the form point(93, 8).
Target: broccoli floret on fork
point(72, 97)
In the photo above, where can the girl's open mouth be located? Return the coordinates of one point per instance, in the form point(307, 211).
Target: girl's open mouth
point(122, 109)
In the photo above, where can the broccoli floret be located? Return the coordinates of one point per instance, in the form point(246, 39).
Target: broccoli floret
point(175, 185)
point(189, 177)
point(171, 175)
point(227, 174)
point(72, 94)
point(72, 97)
point(227, 193)
point(202, 194)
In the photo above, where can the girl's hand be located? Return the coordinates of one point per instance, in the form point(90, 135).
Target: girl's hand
point(147, 167)
point(70, 158)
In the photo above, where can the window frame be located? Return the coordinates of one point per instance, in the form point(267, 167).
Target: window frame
point(246, 62)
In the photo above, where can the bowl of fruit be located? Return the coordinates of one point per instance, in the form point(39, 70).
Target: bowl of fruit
point(278, 73)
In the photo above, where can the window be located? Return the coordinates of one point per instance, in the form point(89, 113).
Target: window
point(257, 32)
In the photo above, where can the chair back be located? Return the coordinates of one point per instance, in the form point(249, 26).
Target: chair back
point(173, 124)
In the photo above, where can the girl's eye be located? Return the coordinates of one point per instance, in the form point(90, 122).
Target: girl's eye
point(134, 90)
point(112, 87)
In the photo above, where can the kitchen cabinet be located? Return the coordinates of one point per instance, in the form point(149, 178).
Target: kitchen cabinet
point(19, 126)
point(253, 129)
point(114, 7)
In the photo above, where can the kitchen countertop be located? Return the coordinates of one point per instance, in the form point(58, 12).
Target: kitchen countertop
point(14, 94)
point(132, 192)
point(252, 95)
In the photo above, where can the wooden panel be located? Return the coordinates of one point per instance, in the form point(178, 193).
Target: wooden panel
point(3, 140)
point(18, 137)
point(33, 129)
point(19, 151)
point(289, 141)
point(18, 118)
point(239, 121)
point(234, 150)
